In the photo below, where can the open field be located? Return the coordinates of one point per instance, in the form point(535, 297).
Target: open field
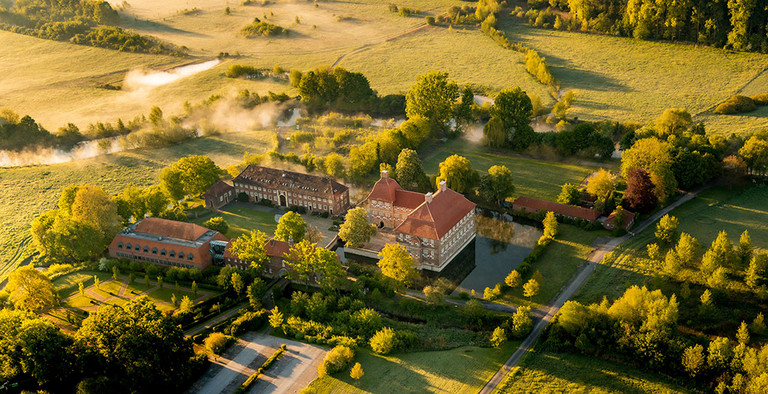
point(624, 79)
point(532, 178)
point(703, 217)
point(564, 372)
point(559, 262)
point(36, 189)
point(462, 370)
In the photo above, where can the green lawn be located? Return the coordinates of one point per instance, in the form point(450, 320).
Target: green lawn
point(462, 370)
point(532, 178)
point(105, 288)
point(563, 372)
point(618, 78)
point(41, 184)
point(242, 219)
point(559, 262)
point(165, 294)
point(68, 284)
point(712, 211)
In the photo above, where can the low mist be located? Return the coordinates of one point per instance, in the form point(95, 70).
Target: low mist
point(147, 79)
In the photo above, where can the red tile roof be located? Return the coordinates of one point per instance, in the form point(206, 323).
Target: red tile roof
point(629, 219)
point(219, 189)
point(385, 189)
point(275, 248)
point(170, 228)
point(533, 205)
point(434, 219)
point(408, 199)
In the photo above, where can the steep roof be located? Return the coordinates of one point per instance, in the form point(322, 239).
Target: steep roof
point(629, 218)
point(385, 189)
point(408, 199)
point(170, 228)
point(309, 184)
point(559, 209)
point(434, 219)
point(276, 248)
point(219, 188)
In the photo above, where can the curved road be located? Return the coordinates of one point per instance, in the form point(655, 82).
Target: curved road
point(578, 280)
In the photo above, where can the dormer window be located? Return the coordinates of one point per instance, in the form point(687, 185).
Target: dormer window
point(181, 255)
point(120, 245)
point(154, 250)
point(146, 249)
point(172, 254)
point(137, 247)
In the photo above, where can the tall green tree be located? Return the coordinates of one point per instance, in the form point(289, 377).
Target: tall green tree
point(190, 175)
point(569, 194)
point(409, 170)
point(30, 289)
point(432, 98)
point(497, 185)
point(250, 247)
point(513, 107)
point(458, 174)
point(666, 229)
point(356, 230)
point(291, 226)
point(741, 13)
point(397, 263)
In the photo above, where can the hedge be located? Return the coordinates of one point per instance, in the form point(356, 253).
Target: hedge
point(252, 379)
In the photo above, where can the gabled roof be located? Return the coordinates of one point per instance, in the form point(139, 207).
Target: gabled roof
point(559, 209)
point(385, 189)
point(434, 219)
point(170, 229)
point(219, 188)
point(629, 219)
point(308, 184)
point(276, 248)
point(408, 199)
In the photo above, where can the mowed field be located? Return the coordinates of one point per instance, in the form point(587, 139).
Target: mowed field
point(624, 79)
point(29, 191)
point(546, 372)
point(465, 369)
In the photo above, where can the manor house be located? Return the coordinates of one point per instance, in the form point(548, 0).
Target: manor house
point(288, 188)
point(433, 227)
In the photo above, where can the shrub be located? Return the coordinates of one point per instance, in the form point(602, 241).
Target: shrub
point(760, 99)
point(383, 341)
point(736, 105)
point(336, 360)
point(430, 20)
point(262, 29)
point(239, 70)
point(216, 342)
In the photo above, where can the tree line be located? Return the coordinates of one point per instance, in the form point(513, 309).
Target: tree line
point(733, 24)
point(83, 22)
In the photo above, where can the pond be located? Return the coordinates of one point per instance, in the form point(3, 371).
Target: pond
point(500, 246)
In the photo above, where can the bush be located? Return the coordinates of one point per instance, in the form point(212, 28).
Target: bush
point(383, 341)
point(262, 29)
point(760, 99)
point(239, 70)
point(336, 360)
point(736, 105)
point(216, 342)
point(430, 20)
point(217, 224)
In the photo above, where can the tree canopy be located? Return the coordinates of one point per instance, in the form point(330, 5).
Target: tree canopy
point(397, 263)
point(291, 227)
point(458, 174)
point(356, 230)
point(432, 98)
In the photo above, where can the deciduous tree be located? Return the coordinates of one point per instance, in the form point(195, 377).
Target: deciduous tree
point(409, 171)
point(250, 247)
point(458, 174)
point(498, 337)
point(531, 289)
point(356, 230)
point(497, 185)
point(569, 194)
point(291, 227)
point(30, 289)
point(432, 98)
point(639, 195)
point(397, 263)
point(666, 229)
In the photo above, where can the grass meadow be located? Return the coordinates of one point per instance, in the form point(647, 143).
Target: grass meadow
point(36, 188)
point(465, 369)
point(624, 79)
point(532, 178)
point(546, 372)
point(721, 208)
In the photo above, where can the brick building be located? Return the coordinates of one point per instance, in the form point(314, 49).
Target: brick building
point(219, 195)
point(533, 205)
point(168, 242)
point(277, 252)
point(433, 227)
point(288, 188)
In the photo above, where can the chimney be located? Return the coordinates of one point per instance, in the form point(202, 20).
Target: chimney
point(428, 197)
point(442, 186)
point(385, 174)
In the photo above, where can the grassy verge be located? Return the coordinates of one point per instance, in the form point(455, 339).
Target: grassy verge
point(462, 370)
point(532, 178)
point(565, 372)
